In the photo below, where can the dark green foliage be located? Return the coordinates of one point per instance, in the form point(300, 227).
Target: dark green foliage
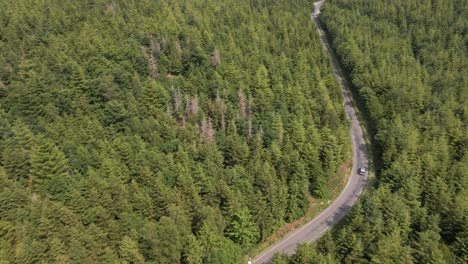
point(160, 131)
point(15, 160)
point(407, 65)
point(225, 252)
point(49, 170)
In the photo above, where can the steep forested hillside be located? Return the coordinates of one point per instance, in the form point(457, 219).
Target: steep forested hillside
point(407, 61)
point(172, 131)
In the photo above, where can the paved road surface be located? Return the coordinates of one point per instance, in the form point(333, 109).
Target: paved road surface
point(354, 188)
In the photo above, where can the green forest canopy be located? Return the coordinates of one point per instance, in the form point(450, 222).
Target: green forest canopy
point(160, 131)
point(407, 62)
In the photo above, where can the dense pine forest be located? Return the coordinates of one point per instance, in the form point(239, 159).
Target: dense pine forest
point(184, 131)
point(407, 64)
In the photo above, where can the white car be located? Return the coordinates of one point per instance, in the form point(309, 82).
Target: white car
point(362, 170)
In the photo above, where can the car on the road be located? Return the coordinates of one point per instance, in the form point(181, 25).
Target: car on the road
point(362, 170)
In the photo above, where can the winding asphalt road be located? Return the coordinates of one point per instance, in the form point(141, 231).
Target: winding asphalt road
point(356, 183)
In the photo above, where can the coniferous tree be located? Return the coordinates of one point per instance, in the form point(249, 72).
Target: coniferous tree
point(49, 169)
point(154, 132)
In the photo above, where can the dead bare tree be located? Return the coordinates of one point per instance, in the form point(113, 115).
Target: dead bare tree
point(249, 114)
point(168, 109)
point(211, 131)
point(149, 55)
point(176, 95)
point(178, 48)
point(241, 95)
point(188, 106)
point(223, 122)
point(111, 7)
point(152, 61)
point(184, 121)
point(249, 133)
point(260, 136)
point(194, 107)
point(249, 106)
point(215, 58)
point(207, 130)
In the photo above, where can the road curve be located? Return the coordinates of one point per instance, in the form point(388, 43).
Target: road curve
point(356, 183)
